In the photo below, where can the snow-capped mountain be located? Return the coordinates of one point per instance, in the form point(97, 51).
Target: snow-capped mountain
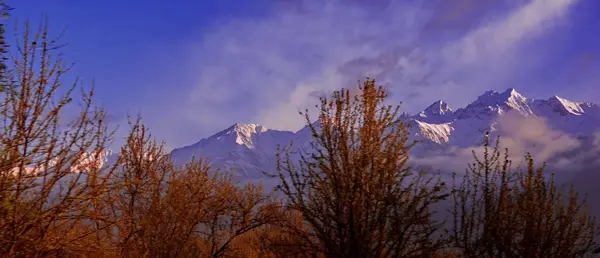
point(250, 149)
point(438, 112)
point(466, 126)
point(78, 162)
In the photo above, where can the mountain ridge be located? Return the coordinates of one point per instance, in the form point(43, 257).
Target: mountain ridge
point(251, 147)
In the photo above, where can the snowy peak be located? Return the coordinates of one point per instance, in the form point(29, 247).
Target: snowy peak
point(460, 127)
point(438, 133)
point(510, 98)
point(247, 149)
point(241, 133)
point(494, 103)
point(438, 112)
point(242, 128)
point(437, 108)
point(564, 106)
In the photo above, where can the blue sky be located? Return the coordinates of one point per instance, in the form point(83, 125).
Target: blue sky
point(194, 67)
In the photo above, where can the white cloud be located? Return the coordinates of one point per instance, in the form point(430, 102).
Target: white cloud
point(266, 69)
point(520, 135)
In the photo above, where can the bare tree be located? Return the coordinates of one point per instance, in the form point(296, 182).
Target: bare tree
point(354, 189)
point(49, 164)
point(504, 212)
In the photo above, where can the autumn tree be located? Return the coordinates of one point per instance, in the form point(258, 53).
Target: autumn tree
point(59, 198)
point(52, 148)
point(281, 239)
point(354, 189)
point(504, 212)
point(162, 210)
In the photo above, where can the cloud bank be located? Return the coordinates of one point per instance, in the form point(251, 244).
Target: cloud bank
point(265, 69)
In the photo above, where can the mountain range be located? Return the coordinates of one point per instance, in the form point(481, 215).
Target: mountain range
point(563, 134)
point(548, 128)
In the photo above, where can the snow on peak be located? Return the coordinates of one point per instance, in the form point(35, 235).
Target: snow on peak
point(248, 148)
point(243, 133)
point(516, 101)
point(75, 162)
point(565, 106)
point(438, 112)
point(438, 133)
point(509, 97)
point(513, 93)
point(493, 102)
point(437, 108)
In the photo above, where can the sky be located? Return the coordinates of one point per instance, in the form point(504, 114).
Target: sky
point(192, 68)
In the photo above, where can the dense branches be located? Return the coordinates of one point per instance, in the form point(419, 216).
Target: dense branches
point(354, 188)
point(161, 210)
point(48, 165)
point(59, 197)
point(501, 212)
